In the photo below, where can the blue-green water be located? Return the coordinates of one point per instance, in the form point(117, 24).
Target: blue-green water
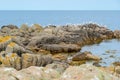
point(108, 50)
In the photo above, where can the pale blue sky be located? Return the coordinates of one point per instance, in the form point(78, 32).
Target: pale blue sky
point(59, 4)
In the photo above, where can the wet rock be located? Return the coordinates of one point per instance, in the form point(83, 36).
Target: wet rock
point(97, 64)
point(84, 56)
point(86, 72)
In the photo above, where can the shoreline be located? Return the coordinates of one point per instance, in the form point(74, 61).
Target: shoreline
point(26, 46)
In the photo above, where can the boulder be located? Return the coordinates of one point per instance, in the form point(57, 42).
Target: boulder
point(24, 61)
point(31, 73)
point(84, 56)
point(6, 73)
point(86, 72)
point(37, 73)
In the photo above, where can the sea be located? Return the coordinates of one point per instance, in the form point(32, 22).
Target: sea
point(110, 19)
point(108, 50)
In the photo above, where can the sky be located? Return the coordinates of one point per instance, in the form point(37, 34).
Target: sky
point(59, 4)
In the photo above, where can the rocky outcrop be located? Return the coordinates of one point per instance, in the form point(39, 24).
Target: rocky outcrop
point(52, 36)
point(86, 72)
point(36, 41)
point(31, 73)
point(71, 34)
point(26, 60)
point(83, 72)
point(10, 45)
point(84, 57)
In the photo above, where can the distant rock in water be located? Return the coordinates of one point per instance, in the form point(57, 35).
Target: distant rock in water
point(117, 33)
point(10, 26)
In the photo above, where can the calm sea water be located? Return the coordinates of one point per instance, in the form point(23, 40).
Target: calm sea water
point(109, 18)
point(108, 50)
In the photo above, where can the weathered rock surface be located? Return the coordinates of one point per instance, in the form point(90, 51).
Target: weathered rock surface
point(83, 72)
point(31, 73)
point(6, 73)
point(57, 48)
point(117, 33)
point(60, 67)
point(24, 61)
point(86, 72)
point(35, 40)
point(84, 56)
point(51, 37)
point(70, 34)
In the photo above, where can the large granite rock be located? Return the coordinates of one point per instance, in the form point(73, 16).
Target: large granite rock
point(6, 73)
point(83, 72)
point(86, 72)
point(24, 61)
point(37, 73)
point(31, 73)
